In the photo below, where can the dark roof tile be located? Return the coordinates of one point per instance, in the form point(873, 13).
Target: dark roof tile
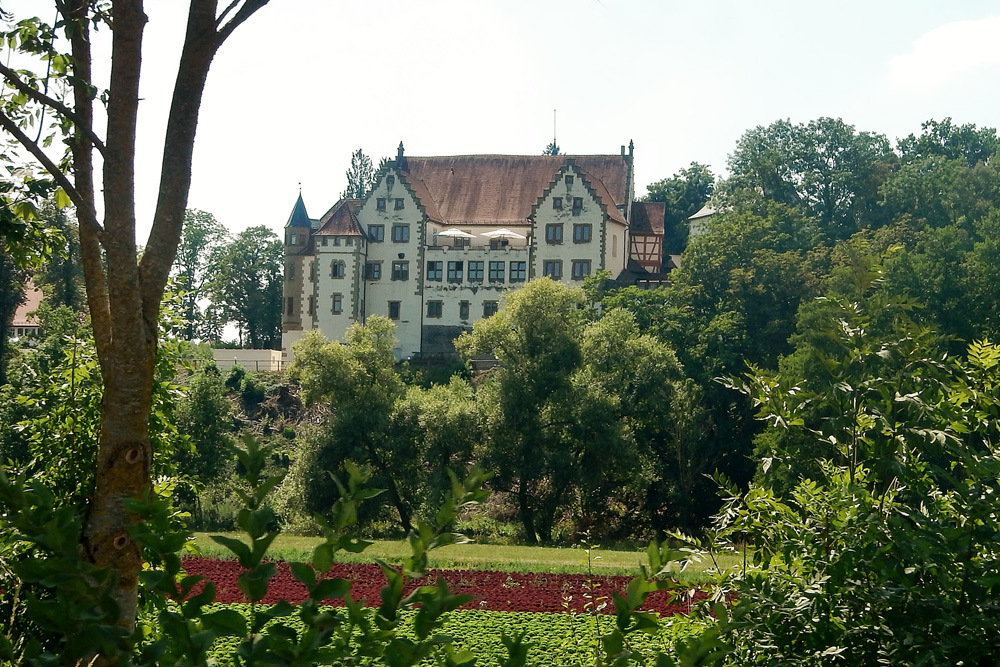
point(502, 189)
point(647, 217)
point(341, 220)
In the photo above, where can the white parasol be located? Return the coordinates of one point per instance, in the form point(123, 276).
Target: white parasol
point(502, 233)
point(457, 233)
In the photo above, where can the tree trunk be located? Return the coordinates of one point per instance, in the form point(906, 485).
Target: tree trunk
point(526, 511)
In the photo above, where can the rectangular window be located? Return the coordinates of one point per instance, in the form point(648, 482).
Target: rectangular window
point(336, 240)
point(497, 270)
point(295, 239)
point(577, 205)
point(552, 268)
point(463, 310)
point(434, 309)
point(380, 204)
point(553, 233)
point(394, 310)
point(338, 304)
point(311, 305)
point(475, 272)
point(348, 241)
point(398, 206)
point(581, 269)
point(435, 270)
point(400, 233)
point(373, 270)
point(324, 240)
point(518, 272)
point(290, 272)
point(490, 308)
point(569, 181)
point(376, 233)
point(455, 270)
point(288, 306)
point(460, 242)
point(581, 233)
point(390, 181)
point(400, 270)
point(338, 269)
point(557, 203)
point(312, 271)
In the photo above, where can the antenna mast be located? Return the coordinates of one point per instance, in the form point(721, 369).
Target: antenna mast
point(554, 127)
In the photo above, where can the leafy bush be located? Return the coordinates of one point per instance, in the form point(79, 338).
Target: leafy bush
point(890, 554)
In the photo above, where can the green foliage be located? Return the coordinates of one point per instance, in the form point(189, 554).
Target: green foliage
point(77, 619)
point(888, 553)
point(60, 277)
point(245, 286)
point(825, 168)
point(201, 239)
point(575, 417)
point(361, 177)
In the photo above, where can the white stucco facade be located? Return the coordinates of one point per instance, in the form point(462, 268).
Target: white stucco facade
point(400, 251)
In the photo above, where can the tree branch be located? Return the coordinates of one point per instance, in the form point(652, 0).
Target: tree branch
point(201, 43)
point(225, 12)
point(53, 104)
point(244, 12)
point(81, 148)
point(57, 174)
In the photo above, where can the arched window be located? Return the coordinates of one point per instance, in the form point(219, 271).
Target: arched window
point(338, 269)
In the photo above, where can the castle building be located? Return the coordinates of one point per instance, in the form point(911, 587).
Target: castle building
point(438, 240)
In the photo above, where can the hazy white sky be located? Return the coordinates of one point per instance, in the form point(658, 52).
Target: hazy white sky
point(306, 82)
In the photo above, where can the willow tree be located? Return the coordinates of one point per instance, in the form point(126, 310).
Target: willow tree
point(96, 120)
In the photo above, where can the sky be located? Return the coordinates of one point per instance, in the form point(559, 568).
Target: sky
point(304, 83)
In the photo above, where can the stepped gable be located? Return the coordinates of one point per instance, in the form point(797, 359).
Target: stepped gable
point(341, 220)
point(600, 191)
point(647, 217)
point(502, 189)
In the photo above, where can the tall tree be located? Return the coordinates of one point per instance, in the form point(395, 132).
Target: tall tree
point(246, 286)
point(953, 142)
point(360, 177)
point(61, 276)
point(536, 338)
point(825, 168)
point(123, 291)
point(359, 381)
point(12, 295)
point(202, 235)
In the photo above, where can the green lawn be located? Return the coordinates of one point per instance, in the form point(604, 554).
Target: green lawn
point(475, 556)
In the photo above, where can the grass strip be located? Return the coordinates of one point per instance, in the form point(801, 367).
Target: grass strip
point(475, 556)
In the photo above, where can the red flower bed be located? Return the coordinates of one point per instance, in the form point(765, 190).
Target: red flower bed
point(495, 591)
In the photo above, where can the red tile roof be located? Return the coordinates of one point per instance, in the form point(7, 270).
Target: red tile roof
point(647, 217)
point(502, 189)
point(32, 299)
point(341, 220)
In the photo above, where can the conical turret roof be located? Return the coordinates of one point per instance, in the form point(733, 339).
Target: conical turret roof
point(299, 217)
